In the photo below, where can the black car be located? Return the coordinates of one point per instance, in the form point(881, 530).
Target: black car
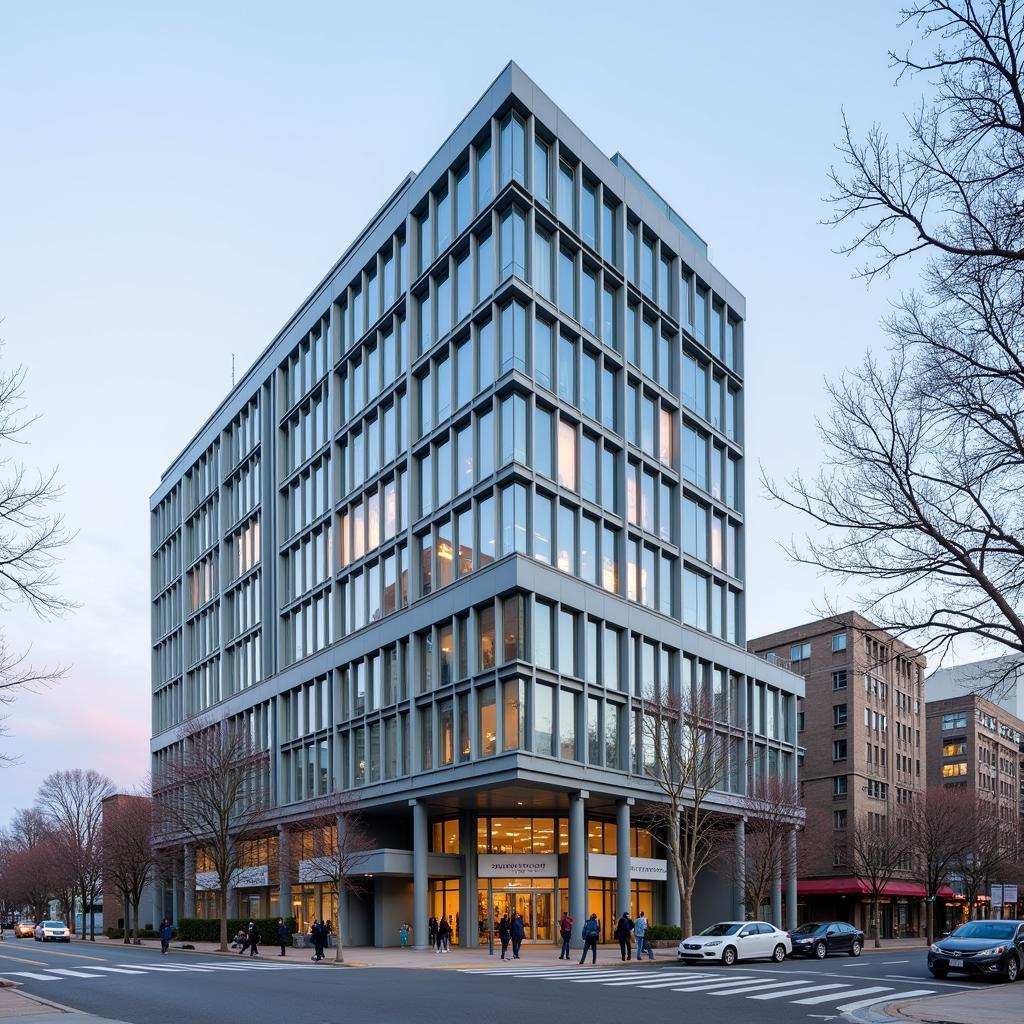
point(819, 938)
point(986, 949)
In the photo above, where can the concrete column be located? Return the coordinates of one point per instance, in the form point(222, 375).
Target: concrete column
point(344, 912)
point(791, 882)
point(175, 887)
point(284, 870)
point(420, 878)
point(673, 905)
point(468, 896)
point(740, 870)
point(777, 891)
point(190, 880)
point(578, 863)
point(622, 856)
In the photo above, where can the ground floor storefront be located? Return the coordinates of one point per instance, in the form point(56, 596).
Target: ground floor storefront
point(902, 908)
point(472, 869)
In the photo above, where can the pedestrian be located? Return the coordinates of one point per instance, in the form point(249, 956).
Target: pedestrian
point(316, 933)
point(565, 928)
point(165, 936)
point(518, 934)
point(432, 932)
point(403, 936)
point(591, 933)
point(640, 931)
point(282, 934)
point(444, 934)
point(504, 934)
point(623, 930)
point(328, 930)
point(254, 939)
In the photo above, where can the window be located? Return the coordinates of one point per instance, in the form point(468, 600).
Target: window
point(588, 385)
point(484, 269)
point(566, 558)
point(567, 369)
point(839, 785)
point(513, 244)
point(542, 546)
point(513, 145)
point(484, 175)
point(838, 642)
point(486, 722)
point(567, 643)
point(513, 627)
point(542, 171)
point(566, 194)
point(839, 680)
point(953, 746)
point(485, 625)
point(566, 283)
point(566, 455)
point(799, 652)
point(588, 316)
point(542, 443)
point(513, 337)
point(543, 358)
point(838, 715)
point(543, 267)
point(957, 720)
point(543, 719)
point(952, 771)
point(608, 232)
point(839, 750)
point(567, 725)
point(589, 219)
point(839, 820)
point(543, 655)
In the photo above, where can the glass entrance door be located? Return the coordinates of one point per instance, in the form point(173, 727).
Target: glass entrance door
point(543, 929)
point(535, 906)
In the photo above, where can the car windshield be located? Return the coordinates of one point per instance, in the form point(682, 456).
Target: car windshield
point(53, 924)
point(810, 928)
point(728, 928)
point(984, 930)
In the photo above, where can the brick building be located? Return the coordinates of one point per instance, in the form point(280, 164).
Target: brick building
point(861, 724)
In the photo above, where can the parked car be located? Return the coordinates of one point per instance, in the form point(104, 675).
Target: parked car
point(819, 938)
point(25, 930)
point(52, 931)
point(983, 949)
point(729, 941)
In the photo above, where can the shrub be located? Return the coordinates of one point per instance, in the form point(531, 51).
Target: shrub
point(204, 929)
point(144, 933)
point(663, 931)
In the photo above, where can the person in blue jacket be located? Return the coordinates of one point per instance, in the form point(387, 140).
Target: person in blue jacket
point(518, 934)
point(591, 933)
point(165, 936)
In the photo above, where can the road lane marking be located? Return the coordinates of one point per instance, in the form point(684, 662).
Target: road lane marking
point(756, 986)
point(814, 1000)
point(801, 991)
point(32, 975)
point(860, 1004)
point(895, 962)
point(23, 960)
point(78, 956)
point(67, 972)
point(120, 970)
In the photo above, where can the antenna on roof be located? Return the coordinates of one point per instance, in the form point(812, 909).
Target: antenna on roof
point(232, 369)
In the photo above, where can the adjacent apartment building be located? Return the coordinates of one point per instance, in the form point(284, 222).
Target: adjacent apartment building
point(862, 727)
point(481, 494)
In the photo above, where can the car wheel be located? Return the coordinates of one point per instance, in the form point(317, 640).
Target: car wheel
point(779, 953)
point(938, 972)
point(728, 956)
point(1012, 969)
point(820, 950)
point(855, 948)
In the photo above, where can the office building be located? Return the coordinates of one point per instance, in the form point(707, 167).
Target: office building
point(861, 725)
point(480, 494)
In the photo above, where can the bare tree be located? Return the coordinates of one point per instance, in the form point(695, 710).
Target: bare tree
point(128, 858)
point(332, 848)
point(920, 492)
point(212, 791)
point(687, 763)
point(72, 802)
point(31, 538)
point(940, 832)
point(772, 809)
point(988, 848)
point(878, 847)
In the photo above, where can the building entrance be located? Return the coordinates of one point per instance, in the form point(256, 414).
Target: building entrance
point(533, 900)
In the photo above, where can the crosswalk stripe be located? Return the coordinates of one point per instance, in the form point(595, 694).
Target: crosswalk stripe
point(756, 986)
point(705, 986)
point(861, 1003)
point(118, 970)
point(32, 975)
point(814, 1000)
point(800, 991)
point(67, 972)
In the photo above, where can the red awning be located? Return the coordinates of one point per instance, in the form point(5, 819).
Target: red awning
point(858, 887)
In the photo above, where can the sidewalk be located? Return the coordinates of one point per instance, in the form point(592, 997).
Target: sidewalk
point(20, 1008)
point(996, 1005)
point(391, 956)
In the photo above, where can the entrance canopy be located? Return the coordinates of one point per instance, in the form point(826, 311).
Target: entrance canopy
point(858, 887)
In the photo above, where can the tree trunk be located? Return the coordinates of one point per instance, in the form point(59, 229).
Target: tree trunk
point(339, 953)
point(929, 920)
point(874, 921)
point(687, 914)
point(92, 921)
point(136, 900)
point(127, 918)
point(223, 908)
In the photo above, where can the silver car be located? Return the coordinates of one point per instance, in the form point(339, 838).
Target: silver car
point(729, 941)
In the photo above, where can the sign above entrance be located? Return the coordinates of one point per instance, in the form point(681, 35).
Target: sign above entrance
point(602, 865)
point(517, 865)
point(243, 878)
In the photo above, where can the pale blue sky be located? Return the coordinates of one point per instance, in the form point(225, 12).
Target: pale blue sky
point(173, 183)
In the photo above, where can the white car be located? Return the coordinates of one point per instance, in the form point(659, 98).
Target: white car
point(52, 931)
point(729, 941)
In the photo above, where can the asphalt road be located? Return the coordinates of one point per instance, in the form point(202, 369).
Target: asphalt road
point(140, 986)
